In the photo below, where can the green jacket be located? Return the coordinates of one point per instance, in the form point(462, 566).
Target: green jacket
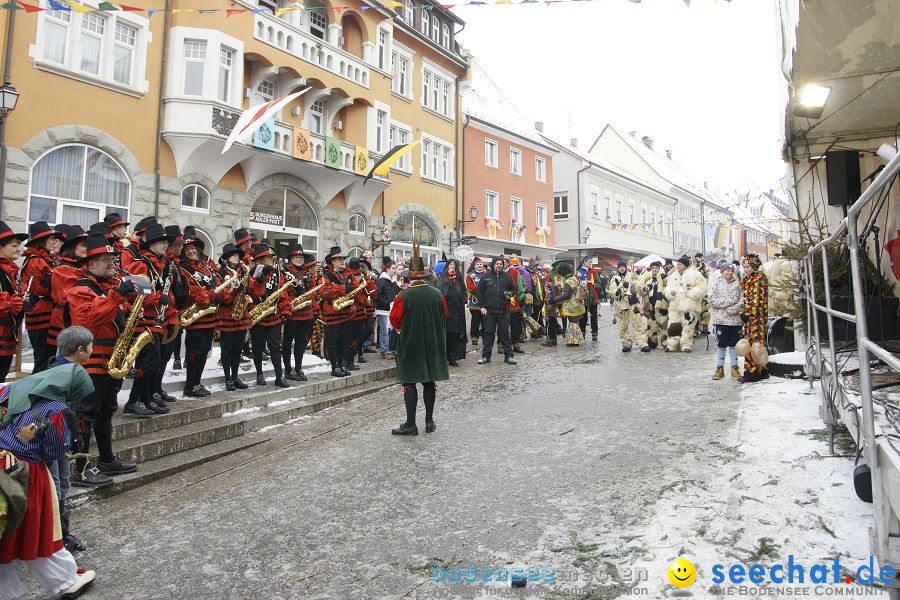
point(422, 344)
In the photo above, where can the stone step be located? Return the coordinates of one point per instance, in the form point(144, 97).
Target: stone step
point(278, 407)
point(194, 410)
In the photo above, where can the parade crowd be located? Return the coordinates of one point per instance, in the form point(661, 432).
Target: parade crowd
point(99, 306)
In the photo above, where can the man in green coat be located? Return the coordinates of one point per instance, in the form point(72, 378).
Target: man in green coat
point(419, 316)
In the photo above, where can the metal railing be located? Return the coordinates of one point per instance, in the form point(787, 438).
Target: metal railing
point(885, 520)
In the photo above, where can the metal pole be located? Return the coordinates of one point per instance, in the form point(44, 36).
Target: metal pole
point(870, 448)
point(7, 60)
point(810, 315)
point(160, 107)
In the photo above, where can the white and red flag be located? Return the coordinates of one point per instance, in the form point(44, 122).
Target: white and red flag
point(253, 118)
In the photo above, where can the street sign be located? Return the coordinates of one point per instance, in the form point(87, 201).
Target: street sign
point(464, 253)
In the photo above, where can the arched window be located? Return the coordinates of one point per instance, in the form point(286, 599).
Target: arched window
point(208, 248)
point(355, 252)
point(195, 197)
point(357, 224)
point(285, 217)
point(423, 24)
point(317, 116)
point(77, 185)
point(402, 235)
point(445, 40)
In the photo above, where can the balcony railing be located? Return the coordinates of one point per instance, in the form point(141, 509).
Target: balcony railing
point(280, 34)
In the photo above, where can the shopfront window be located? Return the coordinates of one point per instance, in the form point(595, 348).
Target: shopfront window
point(283, 216)
point(402, 233)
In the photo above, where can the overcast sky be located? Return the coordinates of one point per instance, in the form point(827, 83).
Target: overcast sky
point(703, 82)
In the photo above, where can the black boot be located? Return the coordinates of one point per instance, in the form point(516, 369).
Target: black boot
point(260, 379)
point(336, 370)
point(238, 384)
point(348, 364)
point(428, 397)
point(410, 399)
point(229, 386)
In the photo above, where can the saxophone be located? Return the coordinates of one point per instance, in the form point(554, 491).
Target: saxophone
point(305, 299)
point(346, 300)
point(193, 313)
point(268, 306)
point(243, 300)
point(125, 351)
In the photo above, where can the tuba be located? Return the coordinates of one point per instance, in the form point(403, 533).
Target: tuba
point(193, 313)
point(126, 350)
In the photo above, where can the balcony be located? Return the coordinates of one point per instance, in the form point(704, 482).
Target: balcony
point(279, 33)
point(196, 129)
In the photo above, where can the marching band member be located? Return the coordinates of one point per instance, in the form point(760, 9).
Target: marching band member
point(64, 274)
point(358, 322)
point(267, 280)
point(337, 320)
point(232, 327)
point(298, 327)
point(118, 226)
point(34, 287)
point(97, 302)
point(198, 340)
point(133, 249)
point(243, 239)
point(371, 296)
point(170, 346)
point(152, 264)
point(623, 288)
point(11, 303)
point(473, 276)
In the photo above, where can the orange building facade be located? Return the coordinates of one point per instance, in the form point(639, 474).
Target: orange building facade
point(128, 111)
point(508, 178)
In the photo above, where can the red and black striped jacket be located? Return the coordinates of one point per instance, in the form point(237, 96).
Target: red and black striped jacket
point(96, 305)
point(306, 283)
point(10, 308)
point(66, 273)
point(156, 269)
point(129, 253)
point(360, 299)
point(335, 287)
point(35, 269)
point(201, 283)
point(227, 297)
point(262, 288)
point(372, 292)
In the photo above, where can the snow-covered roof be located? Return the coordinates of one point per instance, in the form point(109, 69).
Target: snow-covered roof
point(666, 168)
point(485, 101)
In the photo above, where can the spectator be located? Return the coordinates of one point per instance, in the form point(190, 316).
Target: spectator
point(725, 305)
point(388, 288)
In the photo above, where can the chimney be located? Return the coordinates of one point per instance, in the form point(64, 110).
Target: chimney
point(669, 154)
point(574, 142)
point(648, 141)
point(539, 125)
point(633, 134)
point(705, 185)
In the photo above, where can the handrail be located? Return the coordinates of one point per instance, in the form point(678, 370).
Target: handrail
point(888, 173)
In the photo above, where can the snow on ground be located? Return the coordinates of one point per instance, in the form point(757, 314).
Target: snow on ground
point(775, 492)
point(311, 364)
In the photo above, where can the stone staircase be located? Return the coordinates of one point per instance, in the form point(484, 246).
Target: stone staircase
point(198, 430)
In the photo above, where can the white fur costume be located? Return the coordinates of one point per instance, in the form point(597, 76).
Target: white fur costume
point(685, 292)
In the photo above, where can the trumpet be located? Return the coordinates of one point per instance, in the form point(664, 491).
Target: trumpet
point(305, 299)
point(193, 313)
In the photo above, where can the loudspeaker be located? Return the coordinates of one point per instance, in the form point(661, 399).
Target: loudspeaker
point(842, 170)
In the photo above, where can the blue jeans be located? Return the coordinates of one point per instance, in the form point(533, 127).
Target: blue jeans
point(383, 334)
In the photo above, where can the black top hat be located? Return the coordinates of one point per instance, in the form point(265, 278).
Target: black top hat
point(190, 237)
point(296, 250)
point(156, 233)
point(353, 264)
point(39, 231)
point(229, 249)
point(114, 220)
point(366, 262)
point(241, 236)
point(6, 234)
point(101, 228)
point(143, 224)
point(175, 232)
point(309, 260)
point(97, 244)
point(261, 250)
point(74, 234)
point(335, 252)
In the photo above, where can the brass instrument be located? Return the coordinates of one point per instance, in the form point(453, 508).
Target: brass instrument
point(126, 350)
point(305, 299)
point(193, 313)
point(346, 300)
point(243, 300)
point(268, 306)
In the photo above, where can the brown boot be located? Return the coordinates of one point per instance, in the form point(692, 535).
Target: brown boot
point(735, 374)
point(719, 374)
point(549, 343)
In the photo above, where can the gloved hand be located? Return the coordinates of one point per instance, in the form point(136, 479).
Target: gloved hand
point(163, 299)
point(28, 304)
point(349, 287)
point(126, 287)
point(267, 270)
point(45, 281)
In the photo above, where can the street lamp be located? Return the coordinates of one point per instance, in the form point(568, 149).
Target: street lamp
point(587, 235)
point(457, 238)
point(9, 96)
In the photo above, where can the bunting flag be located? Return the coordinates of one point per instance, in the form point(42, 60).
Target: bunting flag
point(252, 118)
point(360, 160)
point(383, 166)
point(77, 6)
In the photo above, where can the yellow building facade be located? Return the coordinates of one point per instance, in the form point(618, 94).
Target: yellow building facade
point(128, 111)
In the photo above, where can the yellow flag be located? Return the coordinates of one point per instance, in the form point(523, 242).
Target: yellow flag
point(78, 7)
point(281, 11)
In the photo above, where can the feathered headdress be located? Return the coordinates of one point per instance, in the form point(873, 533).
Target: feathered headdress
point(416, 264)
